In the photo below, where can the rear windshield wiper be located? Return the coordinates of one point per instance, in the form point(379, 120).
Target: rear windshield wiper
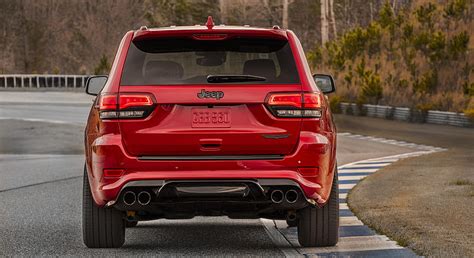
point(234, 78)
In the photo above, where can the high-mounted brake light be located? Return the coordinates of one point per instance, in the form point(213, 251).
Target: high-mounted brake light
point(209, 36)
point(291, 104)
point(125, 105)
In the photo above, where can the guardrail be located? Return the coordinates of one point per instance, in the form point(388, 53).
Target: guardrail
point(407, 114)
point(42, 81)
point(53, 81)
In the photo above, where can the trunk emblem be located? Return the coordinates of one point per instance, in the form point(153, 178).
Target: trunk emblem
point(210, 94)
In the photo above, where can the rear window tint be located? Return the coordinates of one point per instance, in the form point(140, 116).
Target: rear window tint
point(188, 61)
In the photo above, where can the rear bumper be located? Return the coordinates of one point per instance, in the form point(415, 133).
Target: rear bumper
point(262, 179)
point(310, 168)
point(236, 198)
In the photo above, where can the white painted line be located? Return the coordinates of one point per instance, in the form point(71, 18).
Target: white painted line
point(35, 120)
point(346, 186)
point(343, 206)
point(350, 221)
point(382, 161)
point(397, 157)
point(408, 145)
point(363, 170)
point(376, 165)
point(342, 195)
point(358, 243)
point(351, 177)
point(343, 134)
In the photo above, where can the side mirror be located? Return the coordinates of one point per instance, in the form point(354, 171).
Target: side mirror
point(95, 84)
point(325, 83)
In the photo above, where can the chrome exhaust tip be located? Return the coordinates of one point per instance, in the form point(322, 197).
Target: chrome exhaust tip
point(291, 196)
point(144, 198)
point(277, 196)
point(129, 198)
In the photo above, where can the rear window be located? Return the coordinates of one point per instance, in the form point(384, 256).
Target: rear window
point(188, 61)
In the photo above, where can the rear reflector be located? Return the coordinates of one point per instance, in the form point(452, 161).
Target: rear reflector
point(113, 172)
point(295, 105)
point(308, 171)
point(125, 105)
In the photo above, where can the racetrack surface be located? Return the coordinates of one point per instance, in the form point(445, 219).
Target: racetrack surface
point(41, 196)
point(426, 203)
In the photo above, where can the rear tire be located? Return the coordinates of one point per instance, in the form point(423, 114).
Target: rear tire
point(101, 227)
point(318, 227)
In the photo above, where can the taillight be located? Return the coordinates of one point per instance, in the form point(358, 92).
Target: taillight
point(125, 105)
point(291, 104)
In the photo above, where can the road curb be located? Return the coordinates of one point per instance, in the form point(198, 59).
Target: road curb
point(356, 238)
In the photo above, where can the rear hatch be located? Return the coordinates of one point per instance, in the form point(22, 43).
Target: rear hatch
point(209, 97)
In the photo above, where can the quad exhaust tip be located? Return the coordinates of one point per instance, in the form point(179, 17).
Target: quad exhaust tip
point(291, 196)
point(277, 196)
point(129, 198)
point(144, 198)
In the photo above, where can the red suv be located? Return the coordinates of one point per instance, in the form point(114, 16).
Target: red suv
point(210, 121)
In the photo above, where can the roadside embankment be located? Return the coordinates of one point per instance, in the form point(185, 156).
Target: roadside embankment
point(425, 203)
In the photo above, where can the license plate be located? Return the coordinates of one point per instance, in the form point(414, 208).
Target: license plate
point(211, 118)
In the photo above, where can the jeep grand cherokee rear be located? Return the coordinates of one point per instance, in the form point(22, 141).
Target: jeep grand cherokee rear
point(210, 121)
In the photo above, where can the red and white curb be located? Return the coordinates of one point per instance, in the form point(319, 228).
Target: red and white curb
point(356, 239)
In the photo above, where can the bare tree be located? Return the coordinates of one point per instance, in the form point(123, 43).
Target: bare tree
point(324, 22)
point(284, 22)
point(223, 10)
point(72, 36)
point(333, 19)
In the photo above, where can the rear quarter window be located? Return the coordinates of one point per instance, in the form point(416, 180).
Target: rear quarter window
point(188, 61)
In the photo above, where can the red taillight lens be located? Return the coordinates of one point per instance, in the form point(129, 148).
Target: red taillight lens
point(108, 102)
point(285, 99)
point(312, 100)
point(125, 105)
point(295, 104)
point(134, 100)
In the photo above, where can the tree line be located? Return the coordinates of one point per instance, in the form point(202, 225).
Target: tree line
point(420, 56)
point(399, 52)
point(81, 36)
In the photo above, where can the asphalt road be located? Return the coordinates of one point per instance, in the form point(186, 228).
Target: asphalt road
point(40, 193)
